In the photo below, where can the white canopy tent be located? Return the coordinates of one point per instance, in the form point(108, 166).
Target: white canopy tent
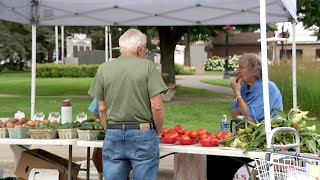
point(154, 13)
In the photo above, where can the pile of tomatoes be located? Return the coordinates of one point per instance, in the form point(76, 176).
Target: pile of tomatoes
point(170, 135)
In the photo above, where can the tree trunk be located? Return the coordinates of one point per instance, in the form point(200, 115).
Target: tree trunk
point(50, 55)
point(169, 37)
point(187, 58)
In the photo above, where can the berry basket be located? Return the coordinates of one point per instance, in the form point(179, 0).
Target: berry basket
point(43, 133)
point(167, 140)
point(89, 135)
point(208, 143)
point(18, 133)
point(68, 133)
point(4, 133)
point(186, 141)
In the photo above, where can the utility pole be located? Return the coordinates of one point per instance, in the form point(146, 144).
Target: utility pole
point(226, 58)
point(282, 35)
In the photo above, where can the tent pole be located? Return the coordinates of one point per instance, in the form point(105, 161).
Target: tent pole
point(62, 44)
point(110, 43)
point(264, 63)
point(33, 70)
point(106, 48)
point(294, 63)
point(57, 44)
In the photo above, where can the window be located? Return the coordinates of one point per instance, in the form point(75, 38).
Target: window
point(75, 51)
point(317, 53)
point(289, 53)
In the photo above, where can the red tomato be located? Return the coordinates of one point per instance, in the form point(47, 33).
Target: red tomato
point(171, 135)
point(185, 137)
point(218, 134)
point(202, 131)
point(165, 130)
point(214, 136)
point(202, 136)
point(178, 126)
point(187, 131)
point(171, 130)
point(180, 131)
point(226, 134)
point(193, 134)
point(206, 139)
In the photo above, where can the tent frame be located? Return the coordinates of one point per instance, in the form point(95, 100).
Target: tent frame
point(43, 12)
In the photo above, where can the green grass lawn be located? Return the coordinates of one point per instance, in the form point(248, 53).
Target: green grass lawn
point(219, 82)
point(20, 84)
point(213, 72)
point(192, 115)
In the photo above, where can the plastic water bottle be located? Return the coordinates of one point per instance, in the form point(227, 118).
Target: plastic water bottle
point(66, 111)
point(224, 124)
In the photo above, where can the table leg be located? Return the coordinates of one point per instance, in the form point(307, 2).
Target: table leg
point(70, 163)
point(88, 163)
point(189, 166)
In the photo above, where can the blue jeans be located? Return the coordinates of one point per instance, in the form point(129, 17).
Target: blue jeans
point(136, 147)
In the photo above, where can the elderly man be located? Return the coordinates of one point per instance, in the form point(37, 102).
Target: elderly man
point(248, 91)
point(131, 110)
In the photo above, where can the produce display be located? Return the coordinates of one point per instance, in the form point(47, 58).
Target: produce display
point(254, 137)
point(182, 136)
point(48, 129)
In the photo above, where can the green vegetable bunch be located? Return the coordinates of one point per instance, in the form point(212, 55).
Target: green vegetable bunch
point(254, 137)
point(91, 124)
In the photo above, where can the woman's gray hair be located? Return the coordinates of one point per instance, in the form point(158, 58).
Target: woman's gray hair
point(132, 39)
point(253, 62)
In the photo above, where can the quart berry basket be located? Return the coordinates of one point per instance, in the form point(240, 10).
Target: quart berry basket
point(68, 133)
point(18, 133)
point(89, 135)
point(43, 133)
point(4, 133)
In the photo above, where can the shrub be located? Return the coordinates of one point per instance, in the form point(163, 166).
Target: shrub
point(183, 70)
point(65, 70)
point(216, 63)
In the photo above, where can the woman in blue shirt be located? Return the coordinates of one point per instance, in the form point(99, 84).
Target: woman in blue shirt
point(248, 91)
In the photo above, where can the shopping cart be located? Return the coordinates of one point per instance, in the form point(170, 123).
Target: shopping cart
point(280, 165)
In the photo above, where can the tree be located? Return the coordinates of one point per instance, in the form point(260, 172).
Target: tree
point(13, 42)
point(196, 33)
point(169, 37)
point(309, 11)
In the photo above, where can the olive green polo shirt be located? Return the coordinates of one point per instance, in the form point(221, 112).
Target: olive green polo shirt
point(127, 84)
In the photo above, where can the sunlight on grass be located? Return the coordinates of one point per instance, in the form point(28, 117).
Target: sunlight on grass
point(213, 72)
point(194, 92)
point(219, 82)
point(197, 114)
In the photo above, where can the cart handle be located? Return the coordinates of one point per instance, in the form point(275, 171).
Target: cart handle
point(271, 147)
point(295, 145)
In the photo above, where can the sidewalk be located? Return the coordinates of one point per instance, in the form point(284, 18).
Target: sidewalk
point(193, 81)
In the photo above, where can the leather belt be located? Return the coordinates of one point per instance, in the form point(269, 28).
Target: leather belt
point(142, 126)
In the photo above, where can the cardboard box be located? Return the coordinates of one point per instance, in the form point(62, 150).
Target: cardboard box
point(40, 174)
point(38, 158)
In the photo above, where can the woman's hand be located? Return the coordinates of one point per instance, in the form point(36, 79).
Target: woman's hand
point(236, 85)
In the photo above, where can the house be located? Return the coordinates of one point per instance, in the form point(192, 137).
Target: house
point(238, 43)
point(307, 45)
